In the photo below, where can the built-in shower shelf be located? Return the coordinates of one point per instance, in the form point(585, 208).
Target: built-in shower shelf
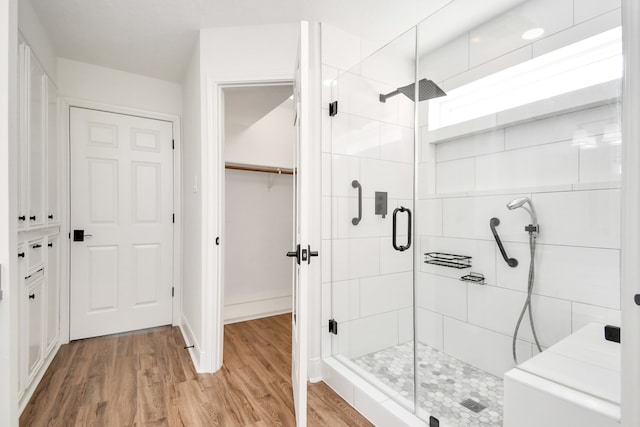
point(448, 260)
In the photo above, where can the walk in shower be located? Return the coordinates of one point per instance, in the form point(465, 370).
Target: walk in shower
point(518, 101)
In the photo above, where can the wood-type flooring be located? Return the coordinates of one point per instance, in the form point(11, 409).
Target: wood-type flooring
point(146, 378)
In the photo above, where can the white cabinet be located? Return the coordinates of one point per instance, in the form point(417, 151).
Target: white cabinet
point(39, 218)
point(34, 312)
point(36, 132)
point(39, 267)
point(53, 156)
point(39, 152)
point(53, 292)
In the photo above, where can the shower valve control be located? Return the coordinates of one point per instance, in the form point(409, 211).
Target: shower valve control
point(532, 228)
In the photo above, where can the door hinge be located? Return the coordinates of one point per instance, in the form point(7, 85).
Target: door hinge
point(333, 108)
point(173, 218)
point(333, 327)
point(173, 144)
point(173, 292)
point(69, 235)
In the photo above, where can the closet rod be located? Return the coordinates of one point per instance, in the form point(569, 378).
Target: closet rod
point(267, 169)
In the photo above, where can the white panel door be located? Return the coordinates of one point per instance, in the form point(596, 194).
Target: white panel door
point(122, 198)
point(303, 250)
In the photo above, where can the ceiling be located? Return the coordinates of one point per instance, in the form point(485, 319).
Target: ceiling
point(156, 37)
point(245, 105)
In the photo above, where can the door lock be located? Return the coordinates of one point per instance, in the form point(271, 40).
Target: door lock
point(302, 254)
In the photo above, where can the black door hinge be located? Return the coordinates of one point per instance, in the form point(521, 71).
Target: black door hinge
point(173, 144)
point(333, 108)
point(173, 218)
point(173, 292)
point(333, 327)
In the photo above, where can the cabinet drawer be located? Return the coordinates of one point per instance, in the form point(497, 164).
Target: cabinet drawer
point(35, 256)
point(32, 279)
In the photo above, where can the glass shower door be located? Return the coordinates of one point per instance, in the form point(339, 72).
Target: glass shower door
point(371, 199)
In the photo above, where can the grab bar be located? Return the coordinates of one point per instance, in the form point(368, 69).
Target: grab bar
point(512, 262)
point(395, 244)
point(356, 184)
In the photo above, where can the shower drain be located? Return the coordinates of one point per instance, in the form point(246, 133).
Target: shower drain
point(473, 405)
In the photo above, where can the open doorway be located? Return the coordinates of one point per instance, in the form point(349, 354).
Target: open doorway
point(258, 151)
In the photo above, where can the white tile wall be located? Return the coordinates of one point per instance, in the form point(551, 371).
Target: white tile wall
point(579, 218)
point(581, 31)
point(581, 314)
point(345, 300)
point(498, 309)
point(469, 217)
point(456, 176)
point(338, 174)
point(396, 143)
point(550, 164)
point(471, 146)
point(361, 97)
point(373, 333)
point(565, 127)
point(355, 136)
point(442, 295)
point(602, 162)
point(393, 177)
point(430, 328)
point(504, 34)
point(370, 225)
point(446, 62)
point(392, 261)
point(381, 294)
point(488, 350)
point(355, 258)
point(585, 275)
point(405, 324)
point(588, 9)
point(429, 217)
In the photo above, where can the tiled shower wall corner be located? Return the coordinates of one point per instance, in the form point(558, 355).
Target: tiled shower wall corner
point(568, 164)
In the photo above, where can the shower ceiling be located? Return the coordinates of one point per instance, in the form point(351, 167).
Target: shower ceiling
point(156, 39)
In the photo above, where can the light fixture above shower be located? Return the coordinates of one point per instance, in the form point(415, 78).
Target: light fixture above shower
point(427, 89)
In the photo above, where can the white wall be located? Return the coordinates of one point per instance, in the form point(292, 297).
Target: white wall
point(259, 231)
point(268, 142)
point(8, 236)
point(227, 55)
point(192, 204)
point(78, 80)
point(568, 164)
point(35, 36)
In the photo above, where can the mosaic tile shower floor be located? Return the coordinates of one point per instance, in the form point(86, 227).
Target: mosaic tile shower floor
point(444, 382)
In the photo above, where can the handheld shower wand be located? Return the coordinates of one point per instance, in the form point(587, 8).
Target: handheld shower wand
point(533, 229)
point(520, 203)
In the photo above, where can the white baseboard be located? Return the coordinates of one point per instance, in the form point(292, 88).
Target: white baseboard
point(190, 339)
point(250, 310)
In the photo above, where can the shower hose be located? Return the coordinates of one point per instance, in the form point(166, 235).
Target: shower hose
point(527, 303)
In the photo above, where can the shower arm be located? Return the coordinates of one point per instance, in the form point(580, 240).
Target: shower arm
point(512, 262)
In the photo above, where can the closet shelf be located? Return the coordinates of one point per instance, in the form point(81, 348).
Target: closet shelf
point(448, 260)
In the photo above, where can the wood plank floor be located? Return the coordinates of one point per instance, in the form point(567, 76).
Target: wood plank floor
point(147, 378)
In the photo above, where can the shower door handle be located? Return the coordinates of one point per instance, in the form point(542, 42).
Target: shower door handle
point(394, 232)
point(356, 184)
point(512, 262)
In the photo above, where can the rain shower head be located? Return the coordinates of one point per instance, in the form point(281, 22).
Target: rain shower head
point(520, 203)
point(427, 89)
